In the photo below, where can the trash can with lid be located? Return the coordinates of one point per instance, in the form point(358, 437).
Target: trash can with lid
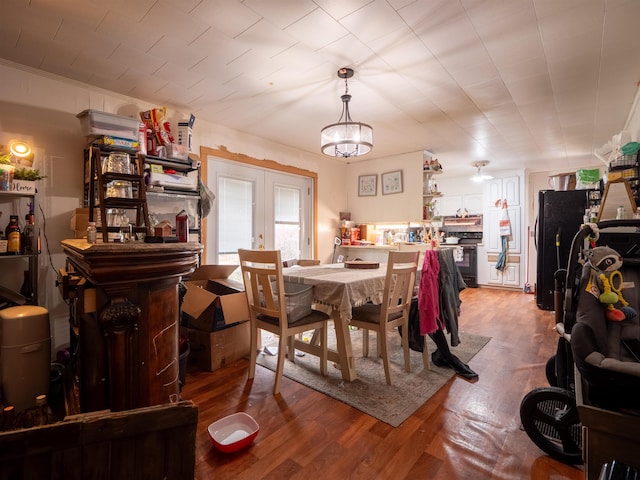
point(25, 355)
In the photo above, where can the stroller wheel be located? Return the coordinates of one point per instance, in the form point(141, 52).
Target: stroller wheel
point(549, 415)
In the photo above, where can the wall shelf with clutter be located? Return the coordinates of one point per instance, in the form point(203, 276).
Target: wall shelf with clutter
point(19, 234)
point(431, 168)
point(624, 166)
point(145, 175)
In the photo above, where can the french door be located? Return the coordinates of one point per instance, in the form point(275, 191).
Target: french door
point(257, 208)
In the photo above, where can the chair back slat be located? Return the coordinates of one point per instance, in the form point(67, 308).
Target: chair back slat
point(399, 281)
point(262, 275)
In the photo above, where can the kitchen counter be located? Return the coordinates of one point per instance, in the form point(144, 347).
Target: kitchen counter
point(377, 253)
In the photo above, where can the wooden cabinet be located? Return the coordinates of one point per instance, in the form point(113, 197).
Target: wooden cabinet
point(126, 320)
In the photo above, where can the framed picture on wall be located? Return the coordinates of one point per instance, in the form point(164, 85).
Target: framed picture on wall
point(367, 185)
point(392, 182)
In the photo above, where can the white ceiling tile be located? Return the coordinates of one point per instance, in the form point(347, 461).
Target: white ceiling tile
point(144, 62)
point(489, 94)
point(316, 30)
point(531, 90)
point(230, 17)
point(373, 21)
point(171, 21)
point(281, 13)
point(432, 14)
point(265, 39)
point(346, 51)
point(339, 8)
point(127, 31)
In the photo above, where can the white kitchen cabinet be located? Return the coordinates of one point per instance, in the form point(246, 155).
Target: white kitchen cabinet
point(492, 238)
point(450, 204)
point(509, 277)
point(508, 189)
point(472, 202)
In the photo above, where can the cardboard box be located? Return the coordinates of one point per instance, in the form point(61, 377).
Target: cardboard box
point(213, 350)
point(80, 220)
point(213, 301)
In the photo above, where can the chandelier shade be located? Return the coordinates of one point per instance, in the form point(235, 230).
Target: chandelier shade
point(479, 177)
point(346, 138)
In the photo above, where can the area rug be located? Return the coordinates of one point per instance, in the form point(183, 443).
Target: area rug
point(370, 393)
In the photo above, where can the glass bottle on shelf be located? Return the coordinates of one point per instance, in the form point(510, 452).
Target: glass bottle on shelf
point(92, 232)
point(28, 235)
point(125, 230)
point(14, 236)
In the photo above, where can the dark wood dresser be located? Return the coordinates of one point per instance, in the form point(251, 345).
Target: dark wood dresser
point(124, 316)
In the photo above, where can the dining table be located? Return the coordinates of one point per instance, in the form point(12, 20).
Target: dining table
point(338, 289)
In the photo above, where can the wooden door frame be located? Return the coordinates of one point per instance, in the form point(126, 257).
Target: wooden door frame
point(225, 154)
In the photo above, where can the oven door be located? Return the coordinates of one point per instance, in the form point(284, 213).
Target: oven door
point(468, 265)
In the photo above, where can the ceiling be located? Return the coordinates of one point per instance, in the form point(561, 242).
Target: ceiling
point(522, 83)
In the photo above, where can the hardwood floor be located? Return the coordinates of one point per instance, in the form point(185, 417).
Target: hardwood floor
point(465, 431)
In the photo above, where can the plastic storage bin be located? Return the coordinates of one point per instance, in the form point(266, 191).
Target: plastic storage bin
point(25, 354)
point(94, 123)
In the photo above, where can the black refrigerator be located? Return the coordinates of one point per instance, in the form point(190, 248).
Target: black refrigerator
point(560, 215)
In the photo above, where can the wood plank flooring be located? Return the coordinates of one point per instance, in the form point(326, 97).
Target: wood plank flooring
point(466, 431)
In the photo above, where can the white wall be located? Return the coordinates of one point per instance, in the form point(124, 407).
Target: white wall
point(397, 207)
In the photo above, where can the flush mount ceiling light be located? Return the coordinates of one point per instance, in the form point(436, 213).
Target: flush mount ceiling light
point(19, 148)
point(346, 138)
point(479, 177)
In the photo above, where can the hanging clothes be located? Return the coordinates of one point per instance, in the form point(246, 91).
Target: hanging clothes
point(428, 296)
point(504, 229)
point(450, 284)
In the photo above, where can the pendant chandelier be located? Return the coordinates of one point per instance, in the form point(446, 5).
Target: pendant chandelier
point(346, 138)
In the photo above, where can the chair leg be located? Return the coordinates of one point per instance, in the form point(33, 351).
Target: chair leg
point(253, 355)
point(365, 342)
point(425, 353)
point(323, 349)
point(291, 348)
point(282, 351)
point(384, 353)
point(405, 347)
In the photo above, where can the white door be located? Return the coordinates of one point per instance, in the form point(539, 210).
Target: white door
point(257, 208)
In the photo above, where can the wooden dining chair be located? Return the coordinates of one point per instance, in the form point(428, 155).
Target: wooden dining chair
point(265, 288)
point(394, 309)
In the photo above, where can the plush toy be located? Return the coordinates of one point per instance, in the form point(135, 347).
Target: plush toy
point(606, 282)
